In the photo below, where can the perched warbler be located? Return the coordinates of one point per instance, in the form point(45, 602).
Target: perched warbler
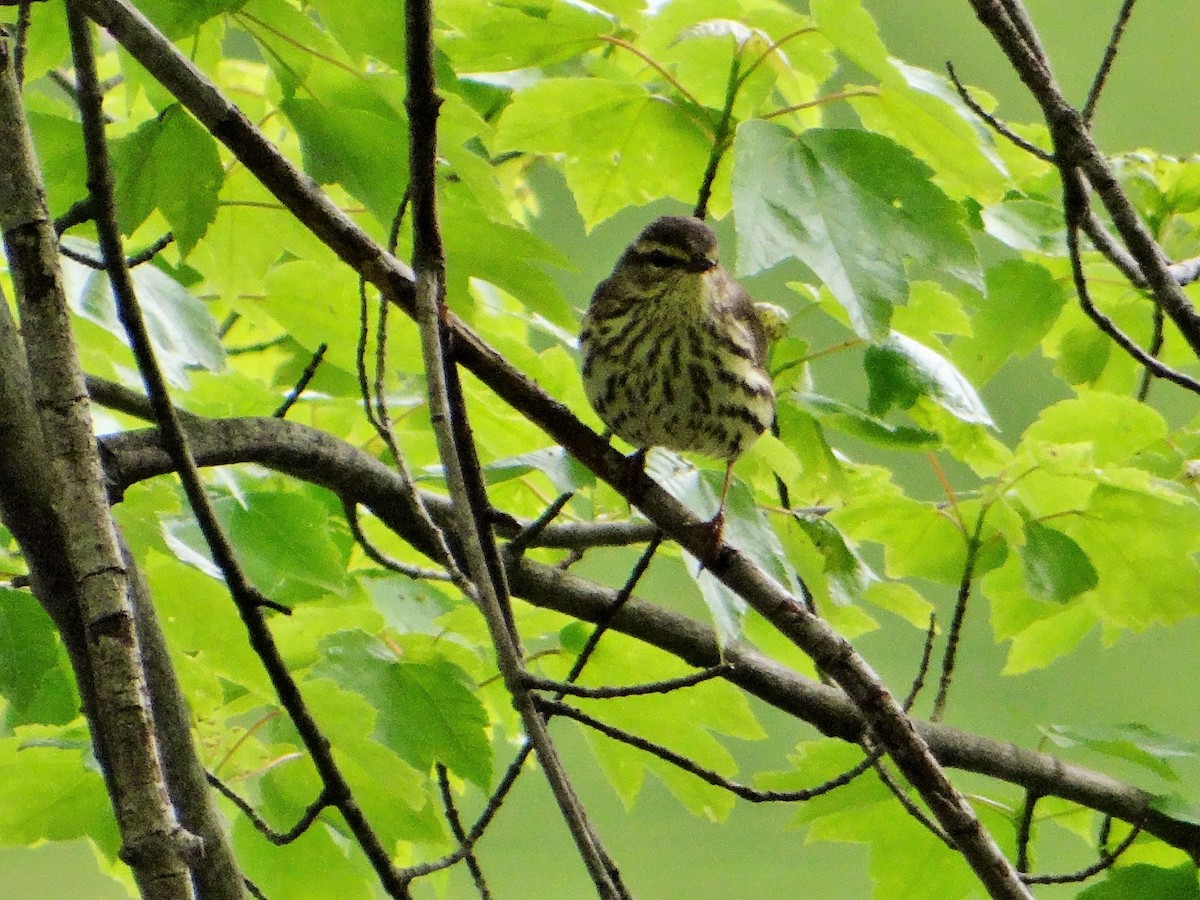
point(674, 350)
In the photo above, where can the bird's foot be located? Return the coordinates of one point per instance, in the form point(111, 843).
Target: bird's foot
point(709, 536)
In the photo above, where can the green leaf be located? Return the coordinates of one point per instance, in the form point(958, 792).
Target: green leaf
point(919, 540)
point(358, 145)
point(900, 370)
point(511, 258)
point(33, 677)
point(1141, 880)
point(621, 144)
point(848, 576)
point(181, 328)
point(365, 28)
point(1144, 549)
point(1056, 568)
point(1027, 223)
point(59, 146)
point(180, 18)
point(852, 206)
point(1023, 302)
point(1177, 807)
point(1113, 426)
point(853, 421)
point(1133, 742)
point(564, 472)
point(170, 164)
point(427, 711)
point(49, 792)
point(283, 540)
point(498, 37)
point(922, 111)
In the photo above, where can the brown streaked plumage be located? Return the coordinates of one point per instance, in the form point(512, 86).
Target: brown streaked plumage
point(674, 350)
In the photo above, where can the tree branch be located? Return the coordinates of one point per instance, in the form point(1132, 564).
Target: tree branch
point(319, 458)
point(464, 478)
point(154, 844)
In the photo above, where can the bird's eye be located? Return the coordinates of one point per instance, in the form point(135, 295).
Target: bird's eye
point(663, 259)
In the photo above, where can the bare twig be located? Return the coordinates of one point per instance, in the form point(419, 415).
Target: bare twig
point(998, 126)
point(1155, 348)
point(1024, 831)
point(1106, 861)
point(535, 529)
point(248, 599)
point(278, 838)
point(455, 446)
point(960, 611)
point(305, 377)
point(708, 775)
point(1110, 54)
point(915, 812)
point(923, 668)
point(137, 259)
point(456, 828)
point(380, 558)
point(1074, 150)
point(634, 690)
point(1075, 205)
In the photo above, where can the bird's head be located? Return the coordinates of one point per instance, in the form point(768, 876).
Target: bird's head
point(672, 245)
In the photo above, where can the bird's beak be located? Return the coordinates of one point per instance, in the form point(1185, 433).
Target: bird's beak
point(701, 263)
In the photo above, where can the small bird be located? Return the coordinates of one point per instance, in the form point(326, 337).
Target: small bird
point(674, 349)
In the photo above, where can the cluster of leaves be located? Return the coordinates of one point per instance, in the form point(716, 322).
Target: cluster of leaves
point(924, 247)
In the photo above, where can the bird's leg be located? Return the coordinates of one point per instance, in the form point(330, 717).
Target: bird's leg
point(716, 525)
point(635, 469)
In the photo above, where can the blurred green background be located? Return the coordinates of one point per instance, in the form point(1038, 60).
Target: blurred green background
point(664, 852)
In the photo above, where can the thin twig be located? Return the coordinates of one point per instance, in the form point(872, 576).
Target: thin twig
point(247, 598)
point(708, 775)
point(455, 443)
point(922, 670)
point(382, 559)
point(1075, 205)
point(516, 766)
point(1106, 861)
point(1104, 835)
point(456, 828)
point(1025, 830)
point(534, 530)
point(634, 690)
point(956, 622)
point(278, 838)
point(1156, 345)
point(137, 259)
point(375, 407)
point(998, 126)
point(1110, 54)
point(305, 377)
point(910, 807)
